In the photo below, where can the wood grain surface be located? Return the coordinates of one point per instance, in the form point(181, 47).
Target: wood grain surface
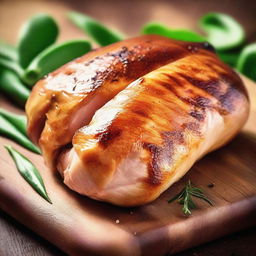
point(158, 227)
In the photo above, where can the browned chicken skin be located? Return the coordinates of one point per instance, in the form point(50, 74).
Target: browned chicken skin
point(68, 98)
point(163, 104)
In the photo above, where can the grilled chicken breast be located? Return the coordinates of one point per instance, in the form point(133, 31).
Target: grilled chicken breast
point(123, 123)
point(67, 99)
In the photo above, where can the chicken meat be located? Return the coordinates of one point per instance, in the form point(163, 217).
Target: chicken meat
point(123, 123)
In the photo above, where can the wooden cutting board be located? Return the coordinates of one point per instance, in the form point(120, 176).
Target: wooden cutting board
point(81, 226)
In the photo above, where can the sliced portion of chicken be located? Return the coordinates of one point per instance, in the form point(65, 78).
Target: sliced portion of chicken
point(68, 98)
point(151, 133)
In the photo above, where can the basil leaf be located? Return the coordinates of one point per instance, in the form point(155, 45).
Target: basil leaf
point(37, 33)
point(98, 32)
point(178, 34)
point(29, 172)
point(223, 32)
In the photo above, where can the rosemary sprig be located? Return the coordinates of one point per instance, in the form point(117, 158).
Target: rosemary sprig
point(184, 197)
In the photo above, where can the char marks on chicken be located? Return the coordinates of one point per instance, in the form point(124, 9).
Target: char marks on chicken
point(124, 122)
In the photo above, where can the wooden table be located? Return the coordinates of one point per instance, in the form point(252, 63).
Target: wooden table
point(18, 240)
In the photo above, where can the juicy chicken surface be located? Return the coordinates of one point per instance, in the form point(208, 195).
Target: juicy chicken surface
point(67, 99)
point(124, 122)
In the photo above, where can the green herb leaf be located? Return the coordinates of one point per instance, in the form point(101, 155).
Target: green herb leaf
point(191, 204)
point(98, 32)
point(7, 51)
point(186, 209)
point(11, 86)
point(37, 34)
point(223, 32)
point(185, 198)
point(196, 190)
point(201, 196)
point(246, 63)
point(54, 57)
point(178, 34)
point(19, 121)
point(29, 172)
point(11, 65)
point(229, 57)
point(10, 131)
point(178, 196)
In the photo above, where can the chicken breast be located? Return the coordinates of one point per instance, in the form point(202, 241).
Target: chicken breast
point(67, 99)
point(150, 134)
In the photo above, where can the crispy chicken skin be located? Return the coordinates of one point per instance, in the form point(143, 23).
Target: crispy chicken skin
point(159, 108)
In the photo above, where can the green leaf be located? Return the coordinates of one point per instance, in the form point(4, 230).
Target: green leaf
point(196, 190)
point(37, 34)
point(29, 172)
point(201, 196)
point(7, 51)
point(12, 65)
point(178, 34)
point(246, 63)
point(178, 196)
point(185, 199)
point(54, 57)
point(191, 204)
point(229, 57)
point(9, 131)
point(223, 32)
point(11, 86)
point(18, 121)
point(98, 32)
